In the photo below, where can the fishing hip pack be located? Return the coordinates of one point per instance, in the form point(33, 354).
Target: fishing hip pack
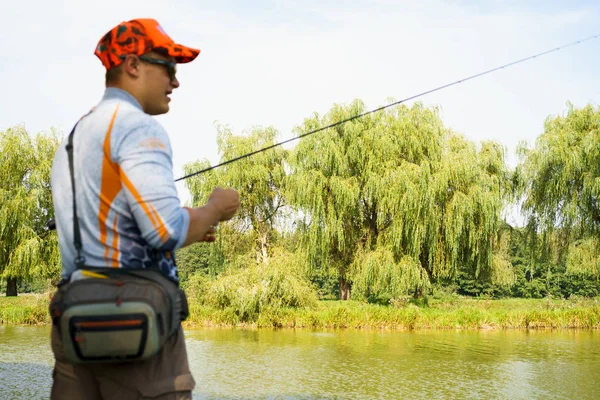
point(114, 314)
point(124, 315)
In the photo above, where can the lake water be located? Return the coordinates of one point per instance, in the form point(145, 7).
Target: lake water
point(302, 364)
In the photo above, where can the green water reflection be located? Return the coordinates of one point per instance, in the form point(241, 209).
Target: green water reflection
point(266, 364)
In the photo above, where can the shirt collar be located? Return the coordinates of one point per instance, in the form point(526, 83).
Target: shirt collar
point(112, 93)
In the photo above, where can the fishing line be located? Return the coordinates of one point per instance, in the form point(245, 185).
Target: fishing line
point(389, 105)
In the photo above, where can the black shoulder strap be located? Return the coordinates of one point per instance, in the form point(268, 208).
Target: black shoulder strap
point(79, 259)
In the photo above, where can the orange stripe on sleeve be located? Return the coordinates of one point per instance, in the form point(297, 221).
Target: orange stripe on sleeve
point(150, 212)
point(162, 230)
point(110, 186)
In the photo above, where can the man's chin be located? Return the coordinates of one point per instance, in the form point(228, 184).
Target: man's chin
point(159, 111)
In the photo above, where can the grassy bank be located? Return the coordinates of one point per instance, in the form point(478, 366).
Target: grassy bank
point(459, 313)
point(25, 309)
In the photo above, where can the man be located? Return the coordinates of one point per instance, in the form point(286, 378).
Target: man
point(127, 204)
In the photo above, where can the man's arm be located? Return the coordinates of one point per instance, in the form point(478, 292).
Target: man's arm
point(202, 221)
point(222, 204)
point(144, 157)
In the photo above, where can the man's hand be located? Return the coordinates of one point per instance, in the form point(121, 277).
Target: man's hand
point(227, 201)
point(210, 235)
point(222, 205)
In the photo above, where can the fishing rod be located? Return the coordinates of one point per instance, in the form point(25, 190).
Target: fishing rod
point(389, 105)
point(51, 223)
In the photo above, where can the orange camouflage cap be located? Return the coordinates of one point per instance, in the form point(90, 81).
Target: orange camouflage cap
point(138, 37)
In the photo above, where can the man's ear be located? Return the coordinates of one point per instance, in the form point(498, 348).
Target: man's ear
point(131, 66)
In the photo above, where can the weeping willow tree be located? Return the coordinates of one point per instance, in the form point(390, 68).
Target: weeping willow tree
point(258, 180)
point(394, 199)
point(26, 249)
point(559, 185)
point(470, 188)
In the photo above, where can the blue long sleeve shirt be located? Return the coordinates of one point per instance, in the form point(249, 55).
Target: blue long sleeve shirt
point(127, 202)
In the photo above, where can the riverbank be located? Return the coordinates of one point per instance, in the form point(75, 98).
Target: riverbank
point(456, 313)
point(463, 314)
point(25, 309)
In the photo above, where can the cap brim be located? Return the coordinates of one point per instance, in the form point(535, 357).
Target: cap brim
point(181, 54)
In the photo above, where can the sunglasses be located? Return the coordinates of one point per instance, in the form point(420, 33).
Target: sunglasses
point(170, 65)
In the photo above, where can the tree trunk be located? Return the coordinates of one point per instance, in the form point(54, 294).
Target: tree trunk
point(263, 248)
point(344, 289)
point(11, 287)
point(419, 292)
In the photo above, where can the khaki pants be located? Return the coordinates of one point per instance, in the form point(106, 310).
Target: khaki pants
point(165, 376)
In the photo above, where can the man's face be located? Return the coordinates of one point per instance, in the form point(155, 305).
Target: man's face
point(158, 81)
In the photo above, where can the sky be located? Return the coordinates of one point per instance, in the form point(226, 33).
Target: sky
point(274, 63)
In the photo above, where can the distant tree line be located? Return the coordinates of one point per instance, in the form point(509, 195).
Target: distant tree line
point(393, 204)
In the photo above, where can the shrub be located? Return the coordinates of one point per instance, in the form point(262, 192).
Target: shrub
point(250, 291)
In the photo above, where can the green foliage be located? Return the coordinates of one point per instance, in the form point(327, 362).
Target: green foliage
point(379, 276)
point(443, 311)
point(397, 184)
point(560, 176)
point(579, 286)
point(25, 310)
point(461, 313)
point(199, 257)
point(583, 257)
point(258, 180)
point(249, 292)
point(26, 249)
point(545, 277)
point(559, 183)
point(394, 206)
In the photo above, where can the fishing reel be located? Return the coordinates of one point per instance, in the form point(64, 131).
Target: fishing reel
point(51, 224)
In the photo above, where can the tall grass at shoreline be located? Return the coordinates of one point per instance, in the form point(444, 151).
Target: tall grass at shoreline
point(25, 309)
point(458, 313)
point(465, 314)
